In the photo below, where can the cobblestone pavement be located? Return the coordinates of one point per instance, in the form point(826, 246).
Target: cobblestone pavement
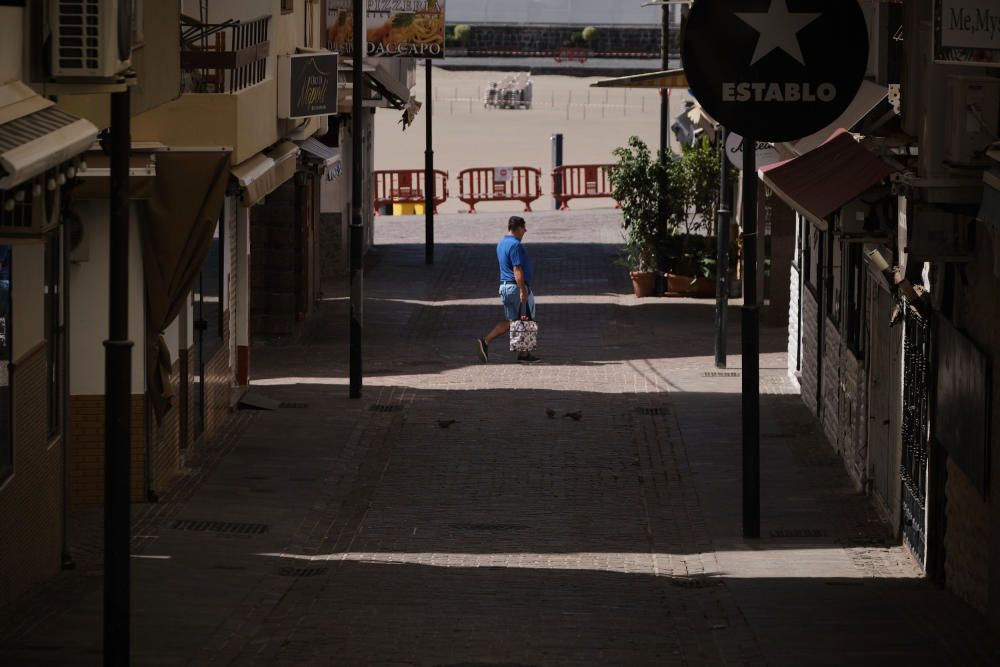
point(376, 536)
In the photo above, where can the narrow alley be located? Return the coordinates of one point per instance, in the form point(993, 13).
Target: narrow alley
point(338, 532)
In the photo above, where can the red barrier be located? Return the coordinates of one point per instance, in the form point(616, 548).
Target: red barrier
point(523, 184)
point(582, 181)
point(406, 186)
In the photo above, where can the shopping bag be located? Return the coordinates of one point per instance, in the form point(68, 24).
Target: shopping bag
point(523, 335)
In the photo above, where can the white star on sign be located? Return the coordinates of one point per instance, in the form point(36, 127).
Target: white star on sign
point(778, 29)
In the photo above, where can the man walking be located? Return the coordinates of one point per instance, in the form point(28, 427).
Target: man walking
point(515, 288)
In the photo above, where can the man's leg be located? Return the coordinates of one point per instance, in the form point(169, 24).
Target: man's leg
point(499, 330)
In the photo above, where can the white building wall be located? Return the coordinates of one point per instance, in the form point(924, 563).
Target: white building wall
point(89, 304)
point(582, 12)
point(11, 43)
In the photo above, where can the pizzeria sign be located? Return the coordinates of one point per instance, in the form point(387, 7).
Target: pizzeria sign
point(393, 28)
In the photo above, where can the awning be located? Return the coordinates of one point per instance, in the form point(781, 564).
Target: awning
point(95, 181)
point(668, 78)
point(318, 154)
point(869, 96)
point(823, 180)
point(265, 172)
point(389, 88)
point(35, 135)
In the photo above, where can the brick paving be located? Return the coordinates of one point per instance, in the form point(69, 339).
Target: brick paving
point(374, 536)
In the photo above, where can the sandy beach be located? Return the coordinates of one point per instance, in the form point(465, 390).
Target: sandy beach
point(593, 121)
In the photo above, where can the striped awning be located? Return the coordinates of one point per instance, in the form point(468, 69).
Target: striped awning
point(35, 135)
point(265, 172)
point(668, 78)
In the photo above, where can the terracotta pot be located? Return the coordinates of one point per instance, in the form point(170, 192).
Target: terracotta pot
point(644, 283)
point(686, 286)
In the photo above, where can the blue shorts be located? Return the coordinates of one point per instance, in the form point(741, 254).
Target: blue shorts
point(511, 298)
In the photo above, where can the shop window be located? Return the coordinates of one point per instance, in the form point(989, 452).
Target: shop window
point(53, 331)
point(6, 327)
point(855, 307)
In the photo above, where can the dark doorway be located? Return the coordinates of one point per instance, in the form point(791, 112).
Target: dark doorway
point(208, 322)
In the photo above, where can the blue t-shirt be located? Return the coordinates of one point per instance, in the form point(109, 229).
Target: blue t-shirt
point(511, 253)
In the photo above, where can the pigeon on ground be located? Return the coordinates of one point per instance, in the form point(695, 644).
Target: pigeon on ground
point(550, 413)
point(575, 416)
point(445, 423)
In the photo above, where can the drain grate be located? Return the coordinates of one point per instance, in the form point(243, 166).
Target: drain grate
point(495, 527)
point(721, 374)
point(386, 407)
point(293, 406)
point(301, 571)
point(651, 412)
point(798, 532)
point(219, 527)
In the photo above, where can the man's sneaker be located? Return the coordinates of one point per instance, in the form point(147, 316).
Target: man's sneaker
point(528, 359)
point(484, 350)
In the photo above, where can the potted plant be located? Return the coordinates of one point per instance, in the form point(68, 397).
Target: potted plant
point(636, 183)
point(692, 193)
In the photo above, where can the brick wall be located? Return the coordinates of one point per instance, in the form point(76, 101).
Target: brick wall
point(967, 540)
point(793, 325)
point(808, 379)
point(853, 417)
point(831, 383)
point(31, 499)
point(86, 454)
point(166, 444)
point(219, 378)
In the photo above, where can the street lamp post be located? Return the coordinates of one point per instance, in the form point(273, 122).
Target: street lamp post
point(357, 195)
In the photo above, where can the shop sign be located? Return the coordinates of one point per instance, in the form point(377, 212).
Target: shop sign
point(307, 85)
point(775, 70)
point(766, 153)
point(393, 28)
point(967, 32)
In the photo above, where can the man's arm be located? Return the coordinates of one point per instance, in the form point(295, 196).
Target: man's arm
point(521, 285)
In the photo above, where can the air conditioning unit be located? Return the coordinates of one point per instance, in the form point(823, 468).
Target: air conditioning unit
point(91, 39)
point(971, 123)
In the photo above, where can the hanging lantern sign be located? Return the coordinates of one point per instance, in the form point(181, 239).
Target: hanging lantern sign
point(775, 70)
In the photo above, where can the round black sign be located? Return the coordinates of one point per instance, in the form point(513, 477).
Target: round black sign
point(775, 70)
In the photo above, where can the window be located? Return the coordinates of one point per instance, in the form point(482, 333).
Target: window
point(6, 310)
point(834, 285)
point(53, 331)
point(856, 310)
point(287, 6)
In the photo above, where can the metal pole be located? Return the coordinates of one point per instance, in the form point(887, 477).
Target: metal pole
point(357, 194)
point(117, 399)
point(722, 255)
point(67, 556)
point(557, 161)
point(751, 347)
point(429, 184)
point(664, 98)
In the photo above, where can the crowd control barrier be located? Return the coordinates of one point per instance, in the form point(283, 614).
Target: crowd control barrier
point(406, 186)
point(523, 184)
point(581, 181)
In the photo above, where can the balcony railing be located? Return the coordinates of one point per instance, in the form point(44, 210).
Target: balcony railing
point(224, 57)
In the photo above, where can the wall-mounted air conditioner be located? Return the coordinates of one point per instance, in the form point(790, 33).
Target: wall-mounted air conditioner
point(91, 39)
point(971, 123)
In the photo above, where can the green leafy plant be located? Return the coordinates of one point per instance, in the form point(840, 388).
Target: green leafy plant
point(588, 34)
point(636, 183)
point(463, 32)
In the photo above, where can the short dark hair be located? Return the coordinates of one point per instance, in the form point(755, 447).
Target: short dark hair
point(515, 222)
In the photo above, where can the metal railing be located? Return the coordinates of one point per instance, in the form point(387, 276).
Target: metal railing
point(224, 57)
